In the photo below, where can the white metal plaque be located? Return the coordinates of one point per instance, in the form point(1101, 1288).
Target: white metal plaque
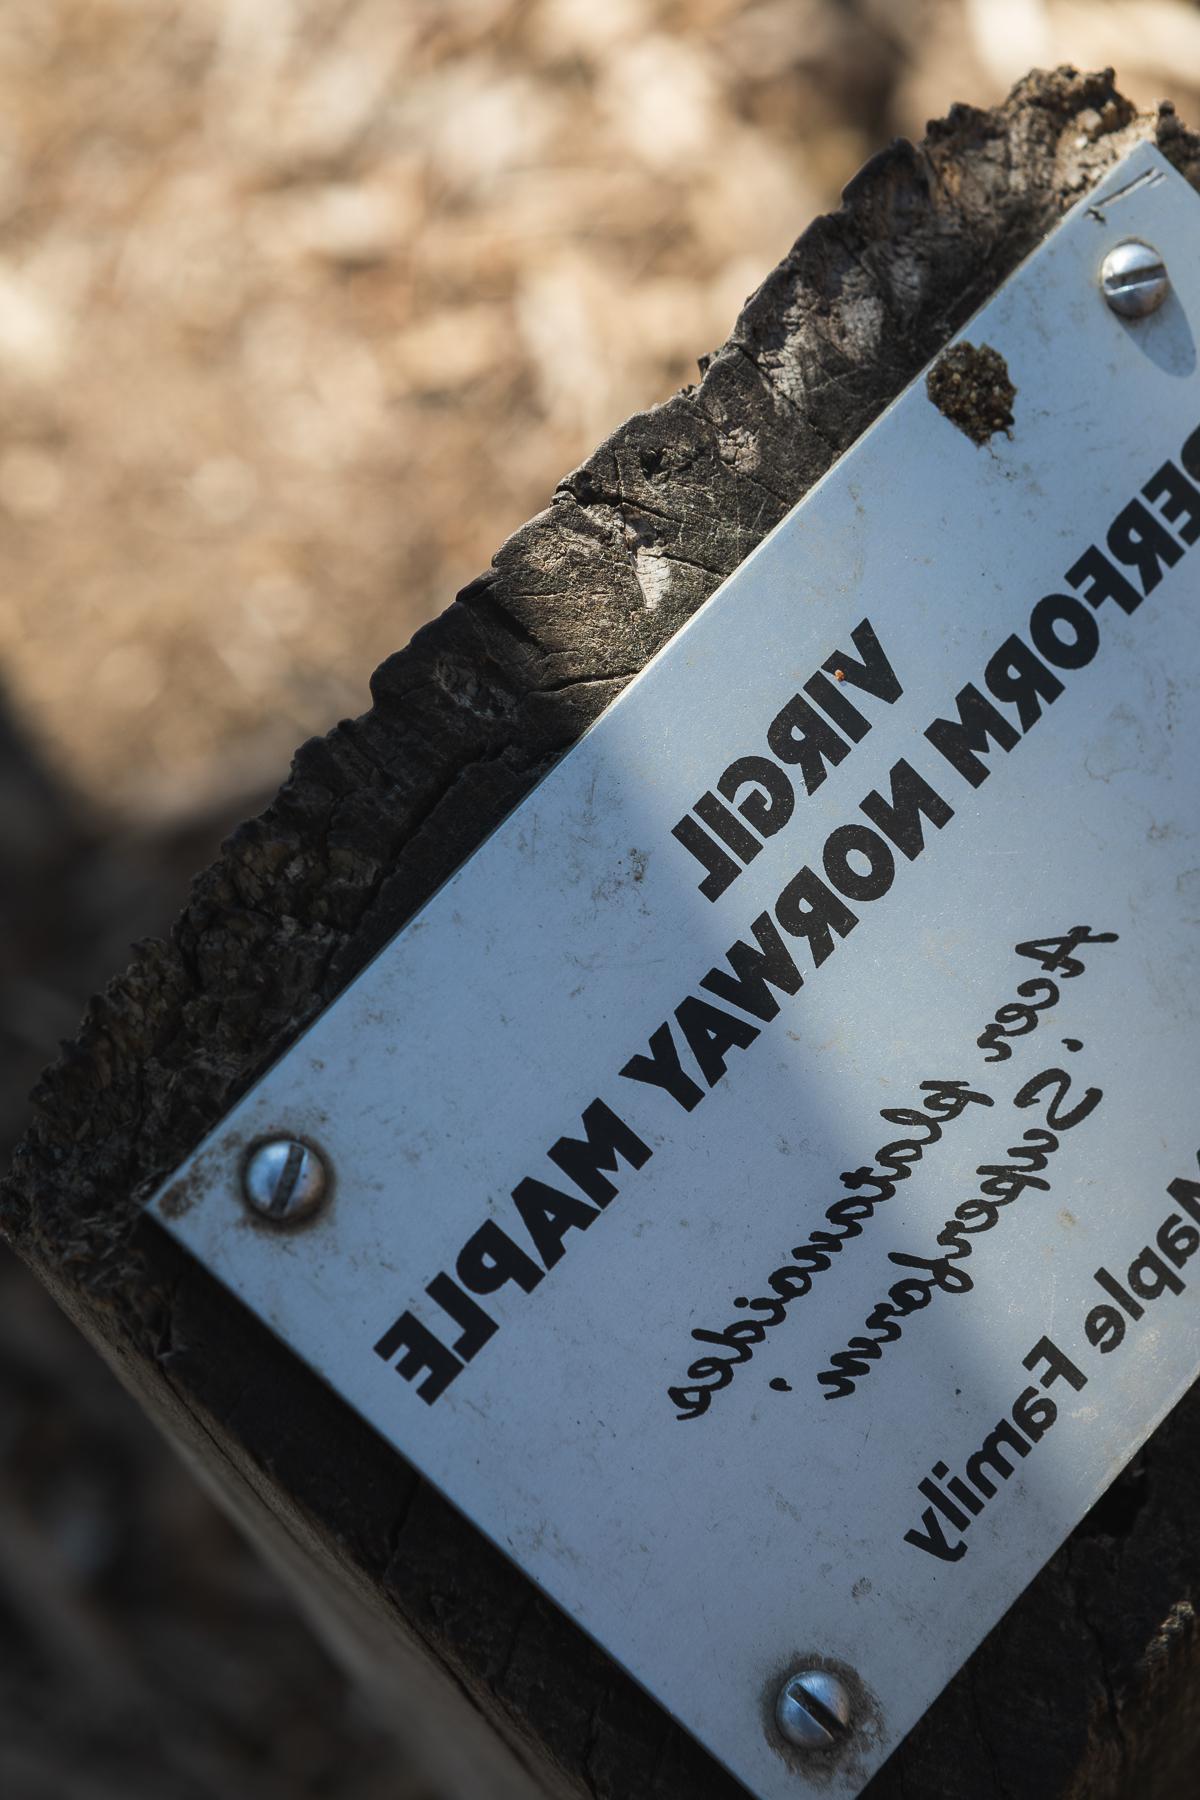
point(765, 1185)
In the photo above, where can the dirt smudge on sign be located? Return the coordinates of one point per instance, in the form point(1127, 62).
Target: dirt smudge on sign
point(970, 385)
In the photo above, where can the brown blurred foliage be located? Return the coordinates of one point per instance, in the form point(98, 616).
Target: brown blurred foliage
point(305, 304)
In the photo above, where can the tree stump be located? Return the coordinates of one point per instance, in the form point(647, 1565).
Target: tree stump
point(1091, 1684)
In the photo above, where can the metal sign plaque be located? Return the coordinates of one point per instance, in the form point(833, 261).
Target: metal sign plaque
point(762, 1185)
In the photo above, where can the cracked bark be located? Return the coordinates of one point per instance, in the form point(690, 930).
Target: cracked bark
point(1089, 1686)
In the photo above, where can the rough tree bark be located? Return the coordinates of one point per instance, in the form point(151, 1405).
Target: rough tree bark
point(1091, 1684)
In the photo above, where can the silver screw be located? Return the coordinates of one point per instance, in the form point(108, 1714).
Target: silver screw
point(1133, 279)
point(813, 1711)
point(284, 1181)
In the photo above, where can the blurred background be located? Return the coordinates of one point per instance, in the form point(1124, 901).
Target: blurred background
point(304, 306)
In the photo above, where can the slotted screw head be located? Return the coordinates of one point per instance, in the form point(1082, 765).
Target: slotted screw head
point(813, 1711)
point(1133, 279)
point(284, 1181)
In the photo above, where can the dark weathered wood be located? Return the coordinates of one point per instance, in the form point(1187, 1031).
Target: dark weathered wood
point(1084, 1687)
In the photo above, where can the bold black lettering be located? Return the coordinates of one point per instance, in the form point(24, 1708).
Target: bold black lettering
point(722, 870)
point(1035, 1413)
point(1187, 1193)
point(606, 1138)
point(768, 811)
point(1105, 1329)
point(964, 740)
point(934, 1539)
point(874, 674)
point(489, 1258)
point(1104, 582)
point(663, 1069)
point(728, 827)
point(754, 971)
point(1058, 1366)
point(990, 1454)
point(711, 1033)
point(798, 734)
point(1171, 491)
point(961, 1491)
point(971, 1501)
point(1149, 1276)
point(477, 1326)
point(1177, 1240)
point(1189, 456)
point(424, 1351)
point(807, 908)
point(900, 817)
point(847, 841)
point(1143, 542)
point(830, 698)
point(932, 1491)
point(1064, 609)
point(548, 1214)
point(1015, 674)
point(1125, 1300)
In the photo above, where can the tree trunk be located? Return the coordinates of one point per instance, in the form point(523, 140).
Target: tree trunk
point(1084, 1686)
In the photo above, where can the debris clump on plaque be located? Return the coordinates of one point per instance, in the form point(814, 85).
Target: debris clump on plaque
point(970, 384)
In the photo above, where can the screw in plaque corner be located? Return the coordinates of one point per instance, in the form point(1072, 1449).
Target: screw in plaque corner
point(1133, 279)
point(285, 1181)
point(814, 1710)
